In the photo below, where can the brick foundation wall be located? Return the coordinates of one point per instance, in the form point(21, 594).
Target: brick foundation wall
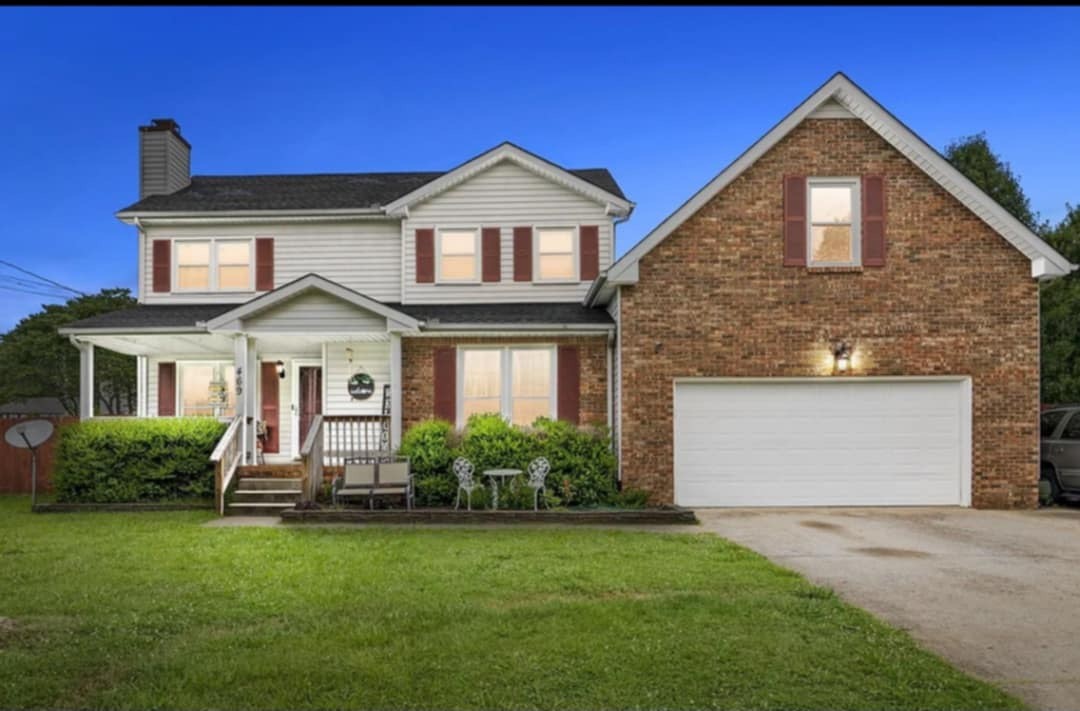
point(417, 368)
point(954, 298)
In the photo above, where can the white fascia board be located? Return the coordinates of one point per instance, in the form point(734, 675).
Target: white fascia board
point(846, 93)
point(131, 331)
point(304, 283)
point(248, 217)
point(508, 151)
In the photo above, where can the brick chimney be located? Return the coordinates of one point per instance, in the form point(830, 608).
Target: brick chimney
point(164, 158)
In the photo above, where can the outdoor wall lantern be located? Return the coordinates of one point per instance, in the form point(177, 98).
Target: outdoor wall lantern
point(842, 352)
point(280, 369)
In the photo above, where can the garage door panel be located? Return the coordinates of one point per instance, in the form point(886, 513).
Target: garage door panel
point(855, 442)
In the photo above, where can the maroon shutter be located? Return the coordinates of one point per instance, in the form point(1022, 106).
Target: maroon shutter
point(873, 221)
point(794, 221)
point(569, 384)
point(425, 256)
point(445, 379)
point(590, 252)
point(523, 254)
point(166, 389)
point(264, 264)
point(270, 405)
point(490, 250)
point(162, 270)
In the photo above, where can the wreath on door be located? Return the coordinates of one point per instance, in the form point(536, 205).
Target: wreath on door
point(361, 386)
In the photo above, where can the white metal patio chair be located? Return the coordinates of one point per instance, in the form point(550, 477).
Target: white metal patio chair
point(463, 470)
point(538, 471)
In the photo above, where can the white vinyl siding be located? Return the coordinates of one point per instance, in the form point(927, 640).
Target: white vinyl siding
point(363, 256)
point(833, 441)
point(314, 312)
point(505, 196)
point(371, 357)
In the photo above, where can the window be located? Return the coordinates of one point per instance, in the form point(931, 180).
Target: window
point(213, 265)
point(834, 221)
point(1072, 428)
point(459, 258)
point(234, 265)
point(206, 389)
point(193, 266)
point(1049, 422)
point(517, 383)
point(556, 254)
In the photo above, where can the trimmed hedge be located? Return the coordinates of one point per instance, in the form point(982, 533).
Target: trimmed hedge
point(583, 467)
point(128, 460)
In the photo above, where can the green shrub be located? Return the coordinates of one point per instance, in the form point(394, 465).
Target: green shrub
point(631, 498)
point(582, 472)
point(105, 461)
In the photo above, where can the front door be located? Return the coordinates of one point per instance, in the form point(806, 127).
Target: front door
point(310, 399)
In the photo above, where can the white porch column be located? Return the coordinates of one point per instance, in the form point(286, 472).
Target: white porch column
point(395, 390)
point(240, 359)
point(141, 371)
point(251, 400)
point(86, 380)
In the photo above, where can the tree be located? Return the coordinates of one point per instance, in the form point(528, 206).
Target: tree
point(1060, 312)
point(36, 361)
point(973, 157)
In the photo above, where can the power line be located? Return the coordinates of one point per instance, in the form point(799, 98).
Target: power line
point(35, 293)
point(44, 279)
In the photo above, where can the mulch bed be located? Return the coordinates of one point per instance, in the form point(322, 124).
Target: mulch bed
point(660, 515)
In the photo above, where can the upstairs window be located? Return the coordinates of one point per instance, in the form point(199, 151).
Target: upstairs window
point(556, 254)
point(833, 239)
point(459, 257)
point(213, 265)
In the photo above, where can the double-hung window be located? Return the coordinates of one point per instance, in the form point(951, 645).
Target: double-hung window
point(213, 265)
point(206, 389)
point(515, 382)
point(833, 224)
point(459, 256)
point(556, 254)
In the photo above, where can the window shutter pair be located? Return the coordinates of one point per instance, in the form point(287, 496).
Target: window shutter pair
point(873, 221)
point(444, 378)
point(161, 272)
point(490, 259)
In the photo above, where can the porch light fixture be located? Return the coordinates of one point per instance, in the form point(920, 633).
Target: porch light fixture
point(842, 351)
point(280, 369)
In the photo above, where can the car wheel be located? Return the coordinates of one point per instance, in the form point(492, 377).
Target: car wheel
point(1047, 475)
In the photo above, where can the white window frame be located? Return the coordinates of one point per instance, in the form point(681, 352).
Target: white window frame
point(506, 398)
point(179, 388)
point(854, 184)
point(575, 246)
point(212, 281)
point(439, 278)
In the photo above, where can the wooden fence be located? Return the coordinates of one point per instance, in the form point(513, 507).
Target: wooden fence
point(15, 462)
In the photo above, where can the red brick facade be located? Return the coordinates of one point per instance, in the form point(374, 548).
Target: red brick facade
point(418, 391)
point(954, 298)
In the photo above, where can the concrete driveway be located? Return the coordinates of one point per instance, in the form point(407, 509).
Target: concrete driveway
point(995, 592)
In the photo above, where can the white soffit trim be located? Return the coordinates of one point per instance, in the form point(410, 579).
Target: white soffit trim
point(395, 319)
point(508, 151)
point(1046, 262)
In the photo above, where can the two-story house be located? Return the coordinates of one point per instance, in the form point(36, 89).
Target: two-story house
point(838, 318)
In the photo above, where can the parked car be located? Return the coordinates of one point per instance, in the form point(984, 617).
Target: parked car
point(1060, 451)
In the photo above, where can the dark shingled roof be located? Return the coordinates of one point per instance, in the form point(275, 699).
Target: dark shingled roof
point(328, 191)
point(179, 316)
point(185, 316)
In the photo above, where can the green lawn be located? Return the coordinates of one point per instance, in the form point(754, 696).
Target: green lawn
point(153, 610)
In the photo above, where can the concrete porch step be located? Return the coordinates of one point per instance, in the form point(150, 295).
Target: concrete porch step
point(268, 484)
point(271, 471)
point(266, 496)
point(258, 509)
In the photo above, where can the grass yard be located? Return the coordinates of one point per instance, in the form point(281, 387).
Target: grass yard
point(152, 610)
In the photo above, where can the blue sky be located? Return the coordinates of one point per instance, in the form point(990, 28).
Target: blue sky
point(663, 97)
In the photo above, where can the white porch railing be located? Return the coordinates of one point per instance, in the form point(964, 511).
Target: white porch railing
point(226, 459)
point(311, 458)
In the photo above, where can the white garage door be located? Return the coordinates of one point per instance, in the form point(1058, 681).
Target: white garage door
point(822, 442)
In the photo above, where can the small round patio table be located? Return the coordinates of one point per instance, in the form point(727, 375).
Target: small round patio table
point(495, 475)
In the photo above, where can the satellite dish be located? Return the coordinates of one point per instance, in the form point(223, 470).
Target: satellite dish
point(30, 434)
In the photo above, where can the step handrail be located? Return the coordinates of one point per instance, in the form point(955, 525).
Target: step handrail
point(226, 460)
point(311, 457)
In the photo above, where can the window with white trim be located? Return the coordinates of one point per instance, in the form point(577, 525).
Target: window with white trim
point(833, 224)
point(458, 256)
point(206, 389)
point(213, 265)
point(556, 254)
point(515, 382)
